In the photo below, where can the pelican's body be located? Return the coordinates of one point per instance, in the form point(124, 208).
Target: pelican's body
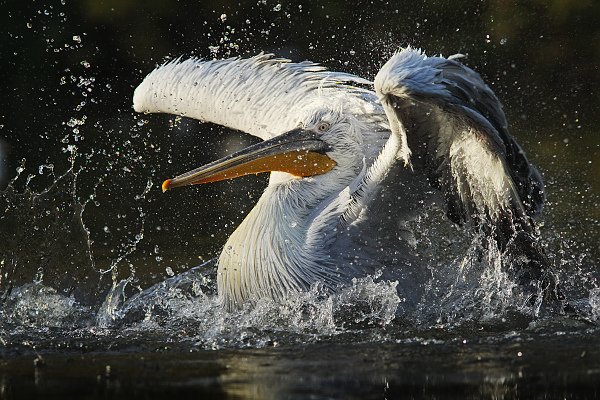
point(340, 154)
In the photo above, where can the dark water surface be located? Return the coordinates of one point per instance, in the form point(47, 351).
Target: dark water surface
point(515, 365)
point(98, 297)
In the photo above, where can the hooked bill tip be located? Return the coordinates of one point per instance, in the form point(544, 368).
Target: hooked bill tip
point(165, 185)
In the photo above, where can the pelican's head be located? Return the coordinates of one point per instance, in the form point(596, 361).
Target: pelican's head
point(326, 141)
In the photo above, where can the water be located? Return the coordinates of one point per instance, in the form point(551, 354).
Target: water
point(107, 286)
point(175, 338)
point(411, 369)
point(287, 352)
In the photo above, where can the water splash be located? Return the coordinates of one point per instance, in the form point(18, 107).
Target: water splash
point(594, 301)
point(37, 306)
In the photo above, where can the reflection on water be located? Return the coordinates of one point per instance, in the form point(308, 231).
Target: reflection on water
point(512, 366)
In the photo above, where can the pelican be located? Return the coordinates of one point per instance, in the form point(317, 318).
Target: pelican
point(348, 163)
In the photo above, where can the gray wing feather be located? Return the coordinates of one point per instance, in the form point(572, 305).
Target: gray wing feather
point(456, 130)
point(453, 129)
point(478, 100)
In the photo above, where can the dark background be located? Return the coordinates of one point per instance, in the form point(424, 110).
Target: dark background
point(88, 197)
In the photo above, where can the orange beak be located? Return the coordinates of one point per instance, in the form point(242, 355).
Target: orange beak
point(299, 152)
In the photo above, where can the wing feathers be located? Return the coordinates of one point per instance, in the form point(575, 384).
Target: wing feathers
point(253, 95)
point(457, 134)
point(457, 131)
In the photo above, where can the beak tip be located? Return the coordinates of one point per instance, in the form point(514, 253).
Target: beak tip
point(166, 185)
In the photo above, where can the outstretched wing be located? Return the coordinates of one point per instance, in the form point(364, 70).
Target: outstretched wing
point(452, 126)
point(255, 95)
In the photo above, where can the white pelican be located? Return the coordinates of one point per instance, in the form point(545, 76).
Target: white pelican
point(342, 157)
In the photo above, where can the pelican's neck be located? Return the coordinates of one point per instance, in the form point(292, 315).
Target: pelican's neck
point(267, 255)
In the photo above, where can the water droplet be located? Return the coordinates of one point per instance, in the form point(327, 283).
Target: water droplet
point(169, 271)
point(29, 25)
point(77, 39)
point(223, 17)
point(277, 7)
point(503, 41)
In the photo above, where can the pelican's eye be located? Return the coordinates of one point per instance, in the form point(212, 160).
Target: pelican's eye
point(323, 126)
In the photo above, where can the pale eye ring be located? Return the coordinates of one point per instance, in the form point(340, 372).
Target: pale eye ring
point(323, 126)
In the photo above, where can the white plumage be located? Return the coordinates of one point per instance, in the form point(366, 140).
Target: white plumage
point(253, 95)
point(315, 226)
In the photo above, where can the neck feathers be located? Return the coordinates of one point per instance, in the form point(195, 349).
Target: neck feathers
point(267, 255)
